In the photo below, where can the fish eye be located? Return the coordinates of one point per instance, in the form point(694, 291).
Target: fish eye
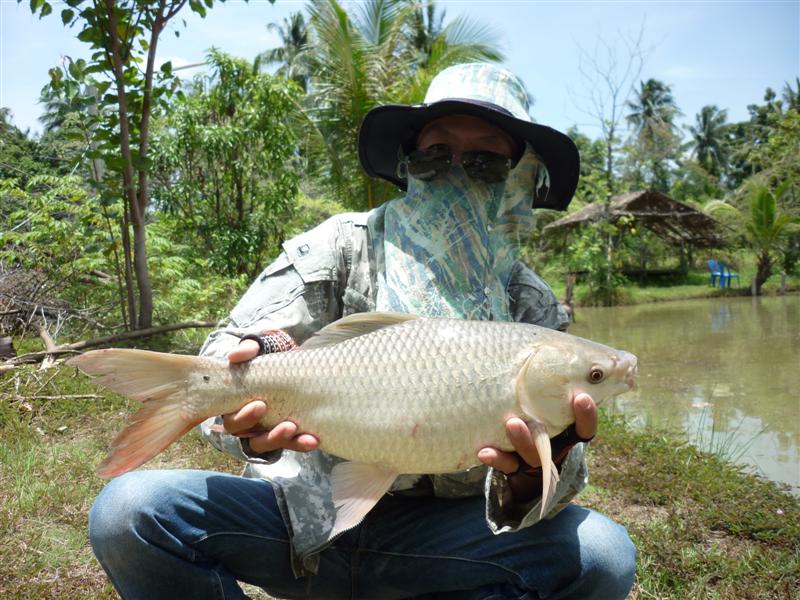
point(596, 375)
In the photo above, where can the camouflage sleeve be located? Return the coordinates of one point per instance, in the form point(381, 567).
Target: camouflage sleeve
point(503, 514)
point(297, 293)
point(533, 301)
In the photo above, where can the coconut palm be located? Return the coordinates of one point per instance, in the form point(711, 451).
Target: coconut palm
point(652, 110)
point(655, 139)
point(791, 96)
point(294, 37)
point(765, 227)
point(366, 57)
point(709, 139)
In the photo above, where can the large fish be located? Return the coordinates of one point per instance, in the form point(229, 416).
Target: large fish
point(391, 393)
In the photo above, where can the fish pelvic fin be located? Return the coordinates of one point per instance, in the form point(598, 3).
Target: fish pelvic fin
point(356, 489)
point(550, 476)
point(156, 379)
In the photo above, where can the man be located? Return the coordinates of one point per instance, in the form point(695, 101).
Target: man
point(473, 165)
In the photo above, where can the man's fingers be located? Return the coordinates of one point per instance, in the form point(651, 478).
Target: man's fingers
point(246, 350)
point(246, 418)
point(585, 416)
point(505, 462)
point(508, 462)
point(520, 436)
point(283, 435)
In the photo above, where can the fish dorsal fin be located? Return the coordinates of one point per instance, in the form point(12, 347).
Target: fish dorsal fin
point(353, 326)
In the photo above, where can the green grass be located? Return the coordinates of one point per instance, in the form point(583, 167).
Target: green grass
point(47, 479)
point(693, 285)
point(702, 528)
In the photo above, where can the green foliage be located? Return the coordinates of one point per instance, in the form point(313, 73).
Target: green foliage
point(693, 183)
point(593, 182)
point(225, 165)
point(364, 57)
point(185, 284)
point(764, 225)
point(51, 225)
point(709, 137)
point(588, 255)
point(20, 156)
point(655, 141)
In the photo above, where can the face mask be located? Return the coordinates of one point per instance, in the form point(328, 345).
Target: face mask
point(451, 243)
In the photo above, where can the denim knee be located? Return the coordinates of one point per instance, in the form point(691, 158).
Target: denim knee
point(608, 556)
point(119, 509)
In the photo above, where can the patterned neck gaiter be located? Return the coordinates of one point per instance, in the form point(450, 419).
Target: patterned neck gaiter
point(450, 244)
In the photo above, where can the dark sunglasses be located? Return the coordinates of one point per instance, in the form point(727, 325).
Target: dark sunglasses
point(437, 160)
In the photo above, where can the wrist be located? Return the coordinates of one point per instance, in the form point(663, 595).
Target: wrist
point(271, 341)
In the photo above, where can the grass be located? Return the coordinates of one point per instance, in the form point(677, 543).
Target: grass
point(695, 284)
point(703, 529)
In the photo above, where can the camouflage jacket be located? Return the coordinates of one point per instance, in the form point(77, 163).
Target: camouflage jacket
point(323, 275)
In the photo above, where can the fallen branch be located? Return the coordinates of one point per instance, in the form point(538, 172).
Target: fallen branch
point(33, 357)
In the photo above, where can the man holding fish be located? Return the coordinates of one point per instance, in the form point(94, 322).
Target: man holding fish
point(303, 523)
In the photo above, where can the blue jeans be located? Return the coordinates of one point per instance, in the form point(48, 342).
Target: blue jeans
point(193, 534)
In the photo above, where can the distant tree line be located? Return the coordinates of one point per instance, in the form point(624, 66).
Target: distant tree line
point(179, 191)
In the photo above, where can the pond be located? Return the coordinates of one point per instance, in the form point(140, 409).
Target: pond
point(722, 371)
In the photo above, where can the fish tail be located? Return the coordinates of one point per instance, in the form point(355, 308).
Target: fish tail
point(156, 379)
point(549, 471)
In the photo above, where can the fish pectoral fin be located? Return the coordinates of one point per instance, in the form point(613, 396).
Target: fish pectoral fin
point(357, 487)
point(550, 476)
point(353, 326)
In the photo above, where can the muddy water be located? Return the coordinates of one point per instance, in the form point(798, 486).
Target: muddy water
point(723, 371)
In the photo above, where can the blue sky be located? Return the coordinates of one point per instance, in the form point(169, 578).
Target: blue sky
point(723, 52)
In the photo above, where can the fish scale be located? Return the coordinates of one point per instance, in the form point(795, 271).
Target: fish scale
point(416, 398)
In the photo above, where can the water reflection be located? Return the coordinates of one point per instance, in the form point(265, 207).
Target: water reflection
point(721, 370)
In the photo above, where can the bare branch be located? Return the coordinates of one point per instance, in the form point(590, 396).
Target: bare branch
point(33, 357)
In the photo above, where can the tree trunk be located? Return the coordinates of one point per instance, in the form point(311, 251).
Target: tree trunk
point(763, 272)
point(129, 193)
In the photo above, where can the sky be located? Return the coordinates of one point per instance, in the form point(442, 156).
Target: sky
point(723, 52)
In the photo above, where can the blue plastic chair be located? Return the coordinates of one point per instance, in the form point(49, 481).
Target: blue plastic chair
point(716, 273)
point(728, 275)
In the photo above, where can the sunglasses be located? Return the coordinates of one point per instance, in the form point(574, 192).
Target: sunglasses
point(435, 161)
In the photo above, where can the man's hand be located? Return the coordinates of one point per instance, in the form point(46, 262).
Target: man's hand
point(520, 436)
point(245, 422)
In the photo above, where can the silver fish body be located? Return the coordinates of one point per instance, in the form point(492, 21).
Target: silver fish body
point(394, 393)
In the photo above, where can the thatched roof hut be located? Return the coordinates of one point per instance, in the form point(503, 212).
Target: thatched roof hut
point(675, 222)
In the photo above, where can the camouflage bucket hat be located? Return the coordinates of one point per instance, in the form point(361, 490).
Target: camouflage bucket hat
point(480, 90)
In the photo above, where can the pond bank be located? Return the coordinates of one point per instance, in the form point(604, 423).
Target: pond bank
point(703, 529)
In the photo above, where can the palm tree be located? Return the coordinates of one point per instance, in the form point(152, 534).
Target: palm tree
point(366, 57)
point(655, 139)
point(791, 96)
point(709, 139)
point(294, 37)
point(653, 109)
point(765, 227)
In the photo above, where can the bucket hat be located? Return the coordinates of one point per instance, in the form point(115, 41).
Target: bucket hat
point(480, 90)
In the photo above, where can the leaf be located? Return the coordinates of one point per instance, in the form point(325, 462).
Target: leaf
point(67, 15)
point(35, 5)
point(75, 70)
point(46, 10)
